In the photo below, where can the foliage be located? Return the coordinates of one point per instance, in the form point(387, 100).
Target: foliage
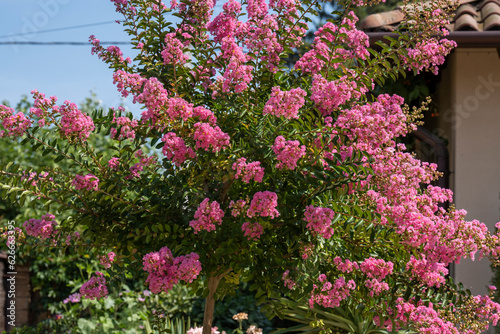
point(289, 179)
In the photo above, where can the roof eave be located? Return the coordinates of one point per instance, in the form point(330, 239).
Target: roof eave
point(464, 39)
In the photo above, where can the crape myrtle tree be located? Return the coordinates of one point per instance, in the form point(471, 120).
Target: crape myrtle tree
point(289, 178)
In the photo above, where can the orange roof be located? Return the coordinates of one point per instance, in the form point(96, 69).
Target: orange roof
point(471, 15)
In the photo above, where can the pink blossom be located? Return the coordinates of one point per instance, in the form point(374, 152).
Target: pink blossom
point(206, 216)
point(329, 95)
point(95, 288)
point(376, 268)
point(264, 204)
point(173, 52)
point(286, 104)
point(330, 295)
point(15, 125)
point(288, 152)
point(114, 163)
point(74, 298)
point(319, 221)
point(429, 54)
point(165, 270)
point(252, 231)
point(87, 182)
point(127, 129)
point(175, 149)
point(74, 123)
point(287, 281)
point(106, 260)
point(238, 207)
point(248, 171)
point(207, 136)
point(43, 228)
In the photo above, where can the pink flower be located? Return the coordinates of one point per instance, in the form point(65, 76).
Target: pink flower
point(175, 149)
point(95, 288)
point(114, 163)
point(173, 53)
point(107, 260)
point(286, 104)
point(319, 221)
point(288, 152)
point(249, 171)
point(252, 231)
point(15, 125)
point(376, 268)
point(238, 207)
point(264, 204)
point(74, 123)
point(207, 136)
point(43, 228)
point(206, 216)
point(87, 182)
point(165, 270)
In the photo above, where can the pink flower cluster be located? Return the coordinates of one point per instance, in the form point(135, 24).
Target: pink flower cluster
point(345, 266)
point(74, 123)
point(127, 129)
point(106, 260)
point(87, 182)
point(175, 149)
point(248, 171)
point(330, 295)
point(95, 288)
point(173, 53)
point(238, 207)
point(285, 103)
point(74, 298)
point(429, 54)
point(15, 125)
point(288, 152)
point(376, 268)
point(144, 161)
point(206, 216)
point(207, 136)
point(431, 274)
point(199, 330)
point(264, 204)
point(319, 221)
point(112, 54)
point(287, 281)
point(165, 270)
point(376, 287)
point(329, 95)
point(41, 106)
point(375, 124)
point(43, 228)
point(224, 24)
point(325, 51)
point(149, 92)
point(114, 163)
point(252, 230)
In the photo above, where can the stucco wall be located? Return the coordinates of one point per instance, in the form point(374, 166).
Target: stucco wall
point(470, 119)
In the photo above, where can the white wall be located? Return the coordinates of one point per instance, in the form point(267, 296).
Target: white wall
point(470, 118)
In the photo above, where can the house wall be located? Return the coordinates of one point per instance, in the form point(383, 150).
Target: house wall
point(470, 119)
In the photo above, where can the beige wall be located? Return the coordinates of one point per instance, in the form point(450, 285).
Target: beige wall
point(470, 120)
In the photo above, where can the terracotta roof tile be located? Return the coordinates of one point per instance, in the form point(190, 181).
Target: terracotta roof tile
point(471, 15)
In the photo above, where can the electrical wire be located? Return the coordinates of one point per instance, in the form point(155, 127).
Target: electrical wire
point(60, 43)
point(62, 28)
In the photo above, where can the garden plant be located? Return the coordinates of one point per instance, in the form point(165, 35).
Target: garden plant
point(241, 169)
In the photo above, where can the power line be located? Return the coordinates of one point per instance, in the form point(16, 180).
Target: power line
point(62, 28)
point(60, 43)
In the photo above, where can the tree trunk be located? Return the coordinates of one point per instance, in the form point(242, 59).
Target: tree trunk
point(208, 316)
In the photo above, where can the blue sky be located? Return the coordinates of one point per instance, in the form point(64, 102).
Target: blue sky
point(69, 72)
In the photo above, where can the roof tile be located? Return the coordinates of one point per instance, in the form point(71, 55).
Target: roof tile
point(471, 15)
